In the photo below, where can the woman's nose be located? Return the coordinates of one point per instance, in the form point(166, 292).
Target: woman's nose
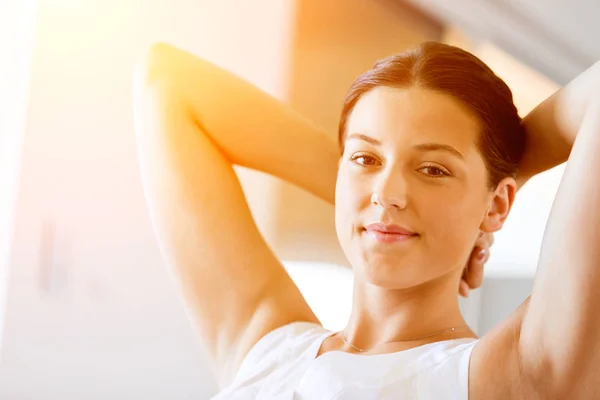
point(390, 191)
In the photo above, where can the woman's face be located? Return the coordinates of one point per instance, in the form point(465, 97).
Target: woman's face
point(410, 163)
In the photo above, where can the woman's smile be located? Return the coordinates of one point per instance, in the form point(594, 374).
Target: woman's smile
point(388, 233)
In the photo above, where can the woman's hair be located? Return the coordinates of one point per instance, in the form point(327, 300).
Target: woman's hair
point(450, 70)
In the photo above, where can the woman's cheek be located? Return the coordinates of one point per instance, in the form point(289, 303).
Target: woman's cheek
point(344, 200)
point(350, 187)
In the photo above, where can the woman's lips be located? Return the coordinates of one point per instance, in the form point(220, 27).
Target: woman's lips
point(389, 233)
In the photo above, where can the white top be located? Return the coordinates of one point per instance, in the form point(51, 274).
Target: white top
point(282, 365)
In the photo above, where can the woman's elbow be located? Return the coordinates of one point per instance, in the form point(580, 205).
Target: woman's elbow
point(156, 65)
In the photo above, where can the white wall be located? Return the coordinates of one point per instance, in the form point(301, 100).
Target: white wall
point(92, 313)
point(17, 32)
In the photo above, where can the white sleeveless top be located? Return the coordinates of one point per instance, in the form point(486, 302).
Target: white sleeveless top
point(282, 366)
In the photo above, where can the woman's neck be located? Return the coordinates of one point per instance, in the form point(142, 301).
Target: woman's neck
point(382, 315)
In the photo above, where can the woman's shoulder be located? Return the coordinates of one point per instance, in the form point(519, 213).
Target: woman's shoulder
point(288, 341)
point(447, 371)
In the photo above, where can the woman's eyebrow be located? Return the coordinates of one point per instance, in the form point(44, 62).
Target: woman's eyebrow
point(422, 146)
point(439, 146)
point(361, 136)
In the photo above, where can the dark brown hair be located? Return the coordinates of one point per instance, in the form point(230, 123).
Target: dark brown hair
point(458, 73)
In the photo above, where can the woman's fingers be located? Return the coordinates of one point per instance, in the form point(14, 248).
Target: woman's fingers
point(463, 288)
point(473, 274)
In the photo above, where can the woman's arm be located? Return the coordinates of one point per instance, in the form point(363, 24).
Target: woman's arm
point(552, 126)
point(560, 330)
point(547, 348)
point(192, 121)
point(252, 128)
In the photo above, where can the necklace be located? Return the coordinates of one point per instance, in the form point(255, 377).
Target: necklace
point(344, 339)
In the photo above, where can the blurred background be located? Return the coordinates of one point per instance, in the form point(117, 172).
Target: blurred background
point(87, 308)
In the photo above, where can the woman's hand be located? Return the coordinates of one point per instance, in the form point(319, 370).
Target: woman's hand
point(472, 277)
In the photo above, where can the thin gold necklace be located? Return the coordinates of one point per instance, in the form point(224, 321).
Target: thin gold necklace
point(344, 339)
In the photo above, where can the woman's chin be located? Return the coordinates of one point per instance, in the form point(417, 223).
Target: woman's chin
point(389, 272)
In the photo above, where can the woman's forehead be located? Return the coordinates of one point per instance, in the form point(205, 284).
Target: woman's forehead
point(413, 115)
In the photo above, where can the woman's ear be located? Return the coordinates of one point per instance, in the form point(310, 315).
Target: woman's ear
point(500, 203)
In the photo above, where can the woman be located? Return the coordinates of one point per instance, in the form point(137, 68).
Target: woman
point(430, 144)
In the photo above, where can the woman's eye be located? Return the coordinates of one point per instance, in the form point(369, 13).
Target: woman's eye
point(433, 171)
point(365, 160)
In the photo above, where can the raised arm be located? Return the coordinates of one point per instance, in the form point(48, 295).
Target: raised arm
point(193, 121)
point(252, 128)
point(554, 124)
point(560, 331)
point(547, 348)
